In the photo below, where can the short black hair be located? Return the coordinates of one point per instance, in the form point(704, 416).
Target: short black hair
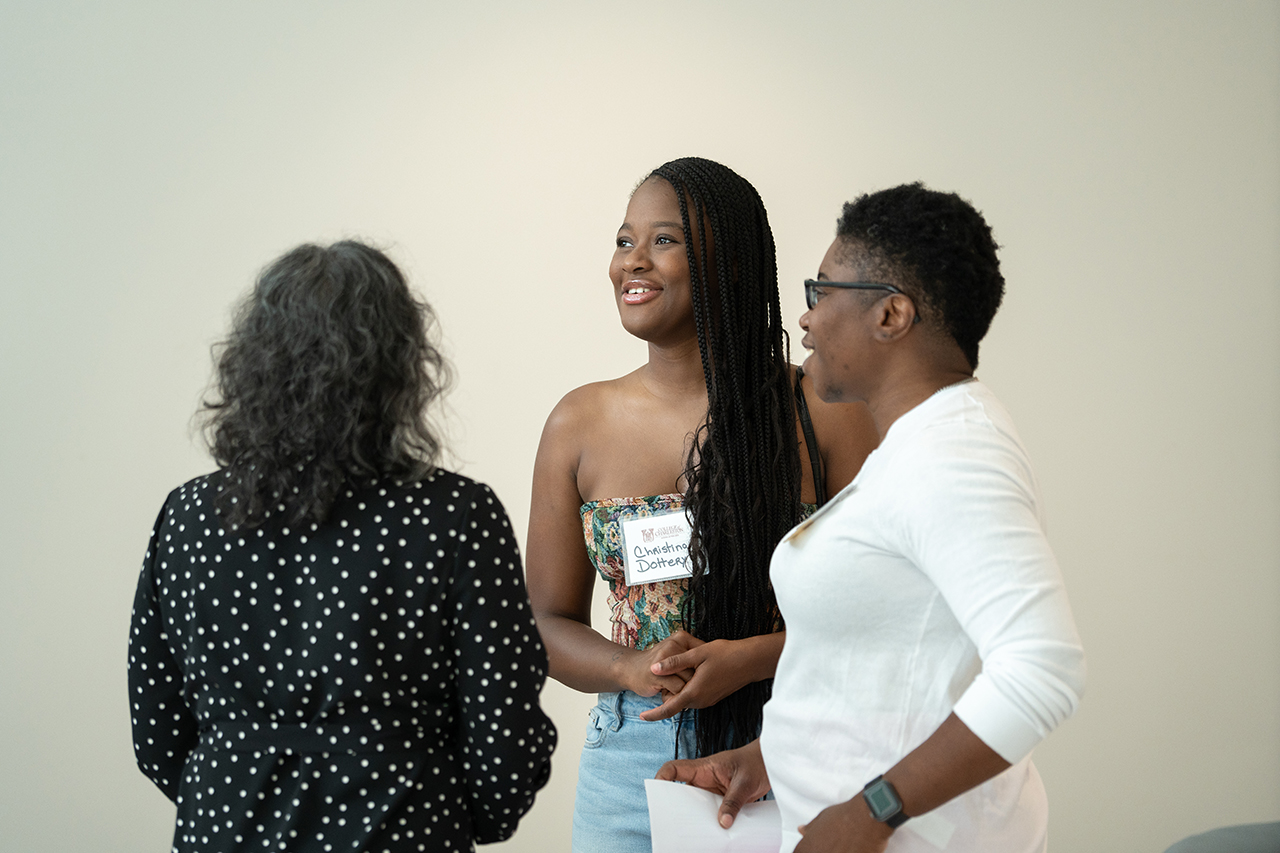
point(940, 249)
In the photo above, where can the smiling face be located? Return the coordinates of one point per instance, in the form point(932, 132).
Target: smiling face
point(838, 329)
point(650, 267)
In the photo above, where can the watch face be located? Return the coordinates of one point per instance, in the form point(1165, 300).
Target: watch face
point(881, 800)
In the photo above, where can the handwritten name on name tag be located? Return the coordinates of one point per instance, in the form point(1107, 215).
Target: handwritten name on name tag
point(657, 547)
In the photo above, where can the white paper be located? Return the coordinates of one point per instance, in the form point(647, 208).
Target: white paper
point(656, 547)
point(684, 819)
point(932, 827)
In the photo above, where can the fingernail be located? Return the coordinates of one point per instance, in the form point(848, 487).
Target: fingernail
point(726, 821)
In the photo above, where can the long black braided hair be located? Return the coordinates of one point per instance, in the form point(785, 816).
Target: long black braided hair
point(743, 471)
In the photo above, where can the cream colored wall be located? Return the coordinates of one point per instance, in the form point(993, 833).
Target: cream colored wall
point(154, 155)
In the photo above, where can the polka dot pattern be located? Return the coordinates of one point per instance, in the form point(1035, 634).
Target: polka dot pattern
point(367, 684)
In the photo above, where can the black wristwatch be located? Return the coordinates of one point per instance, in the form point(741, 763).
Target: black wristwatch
point(884, 802)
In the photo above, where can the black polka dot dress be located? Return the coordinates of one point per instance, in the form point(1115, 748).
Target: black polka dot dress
point(368, 684)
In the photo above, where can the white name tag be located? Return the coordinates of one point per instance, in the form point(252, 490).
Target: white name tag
point(657, 547)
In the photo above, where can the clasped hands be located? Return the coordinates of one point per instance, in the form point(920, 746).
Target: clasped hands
point(687, 672)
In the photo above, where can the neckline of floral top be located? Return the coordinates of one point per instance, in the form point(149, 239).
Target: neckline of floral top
point(632, 501)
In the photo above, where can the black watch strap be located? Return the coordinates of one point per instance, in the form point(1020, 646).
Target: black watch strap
point(883, 801)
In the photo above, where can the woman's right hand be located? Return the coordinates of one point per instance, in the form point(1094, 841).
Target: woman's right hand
point(634, 670)
point(738, 775)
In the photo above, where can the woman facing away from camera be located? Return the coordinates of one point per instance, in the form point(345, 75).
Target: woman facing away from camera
point(332, 647)
point(715, 447)
point(932, 645)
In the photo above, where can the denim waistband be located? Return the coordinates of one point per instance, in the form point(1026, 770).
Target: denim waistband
point(628, 705)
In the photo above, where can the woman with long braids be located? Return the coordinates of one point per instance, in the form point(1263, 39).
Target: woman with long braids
point(716, 445)
point(317, 622)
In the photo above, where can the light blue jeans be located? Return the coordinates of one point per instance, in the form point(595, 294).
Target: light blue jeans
point(610, 812)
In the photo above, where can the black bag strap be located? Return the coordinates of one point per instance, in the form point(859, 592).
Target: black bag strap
point(810, 442)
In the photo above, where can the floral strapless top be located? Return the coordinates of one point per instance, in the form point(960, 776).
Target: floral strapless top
point(645, 614)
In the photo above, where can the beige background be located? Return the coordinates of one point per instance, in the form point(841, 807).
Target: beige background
point(154, 156)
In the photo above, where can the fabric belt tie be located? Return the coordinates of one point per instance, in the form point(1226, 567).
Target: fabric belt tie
point(304, 738)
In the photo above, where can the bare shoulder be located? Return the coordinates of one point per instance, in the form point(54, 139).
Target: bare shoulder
point(583, 411)
point(583, 421)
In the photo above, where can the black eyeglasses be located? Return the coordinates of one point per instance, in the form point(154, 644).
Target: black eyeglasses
point(811, 295)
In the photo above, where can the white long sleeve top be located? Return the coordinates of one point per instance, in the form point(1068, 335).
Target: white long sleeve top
point(924, 587)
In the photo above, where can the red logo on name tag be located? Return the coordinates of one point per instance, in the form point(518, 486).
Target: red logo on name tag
point(646, 535)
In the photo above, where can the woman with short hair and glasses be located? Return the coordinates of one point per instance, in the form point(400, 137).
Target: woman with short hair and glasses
point(930, 643)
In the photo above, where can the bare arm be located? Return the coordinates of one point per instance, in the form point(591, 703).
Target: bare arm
point(561, 576)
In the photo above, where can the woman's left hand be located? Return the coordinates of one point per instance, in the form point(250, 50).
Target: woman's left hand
point(844, 828)
point(713, 670)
